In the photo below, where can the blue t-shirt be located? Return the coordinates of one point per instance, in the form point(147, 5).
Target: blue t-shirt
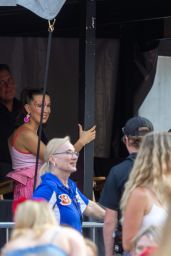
point(68, 202)
point(42, 250)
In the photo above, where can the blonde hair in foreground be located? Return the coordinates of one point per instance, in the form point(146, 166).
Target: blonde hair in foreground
point(52, 147)
point(33, 215)
point(152, 166)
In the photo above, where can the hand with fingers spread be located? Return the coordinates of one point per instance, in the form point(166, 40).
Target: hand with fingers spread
point(85, 137)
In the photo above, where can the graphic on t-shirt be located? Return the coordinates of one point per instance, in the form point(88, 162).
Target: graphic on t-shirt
point(65, 199)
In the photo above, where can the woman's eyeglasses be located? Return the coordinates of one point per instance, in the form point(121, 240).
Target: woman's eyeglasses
point(71, 153)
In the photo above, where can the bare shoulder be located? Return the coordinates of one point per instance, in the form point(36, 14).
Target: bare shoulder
point(139, 194)
point(140, 191)
point(24, 138)
point(25, 132)
point(14, 244)
point(138, 202)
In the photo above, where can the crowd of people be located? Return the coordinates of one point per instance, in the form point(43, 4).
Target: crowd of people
point(134, 203)
point(19, 132)
point(59, 157)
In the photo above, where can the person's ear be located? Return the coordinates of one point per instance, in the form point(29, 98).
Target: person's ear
point(52, 160)
point(27, 108)
point(124, 139)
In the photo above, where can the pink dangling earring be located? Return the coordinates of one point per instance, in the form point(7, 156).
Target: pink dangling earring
point(27, 118)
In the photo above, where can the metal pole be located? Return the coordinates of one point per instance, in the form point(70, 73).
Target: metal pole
point(87, 87)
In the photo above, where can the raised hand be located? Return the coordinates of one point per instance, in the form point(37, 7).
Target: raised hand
point(86, 137)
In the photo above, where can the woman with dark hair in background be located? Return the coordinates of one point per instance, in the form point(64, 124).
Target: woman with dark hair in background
point(24, 140)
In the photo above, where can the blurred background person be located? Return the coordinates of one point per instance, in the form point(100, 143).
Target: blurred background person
point(146, 239)
point(144, 203)
point(62, 193)
point(37, 232)
point(10, 107)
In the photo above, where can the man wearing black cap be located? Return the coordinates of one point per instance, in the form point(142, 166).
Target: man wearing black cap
point(133, 131)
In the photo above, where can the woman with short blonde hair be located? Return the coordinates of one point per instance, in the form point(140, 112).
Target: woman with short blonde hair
point(62, 193)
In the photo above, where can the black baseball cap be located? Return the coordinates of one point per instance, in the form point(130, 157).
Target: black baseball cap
point(137, 126)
